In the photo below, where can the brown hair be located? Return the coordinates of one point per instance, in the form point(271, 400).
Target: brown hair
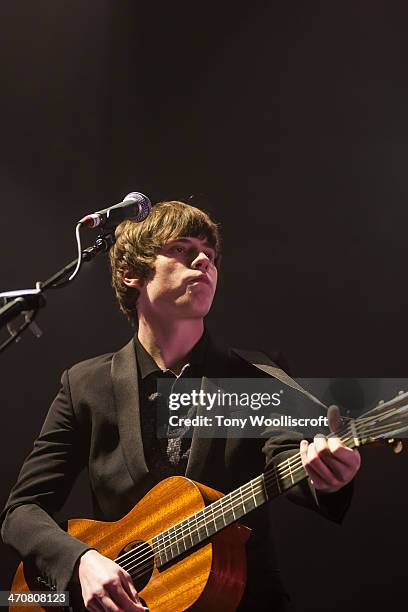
point(137, 245)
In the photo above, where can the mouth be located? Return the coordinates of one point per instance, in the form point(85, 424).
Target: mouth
point(203, 278)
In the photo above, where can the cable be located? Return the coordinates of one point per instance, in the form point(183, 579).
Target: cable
point(79, 260)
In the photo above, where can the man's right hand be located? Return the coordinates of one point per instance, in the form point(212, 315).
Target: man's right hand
point(105, 585)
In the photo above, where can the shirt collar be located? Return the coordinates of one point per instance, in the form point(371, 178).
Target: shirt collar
point(147, 364)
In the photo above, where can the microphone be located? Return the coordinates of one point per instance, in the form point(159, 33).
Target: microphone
point(135, 207)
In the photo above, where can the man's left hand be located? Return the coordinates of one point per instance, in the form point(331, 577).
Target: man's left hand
point(329, 463)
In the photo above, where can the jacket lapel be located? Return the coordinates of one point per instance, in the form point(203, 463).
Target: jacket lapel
point(202, 446)
point(126, 396)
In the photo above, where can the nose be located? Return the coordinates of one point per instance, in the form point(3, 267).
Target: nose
point(200, 262)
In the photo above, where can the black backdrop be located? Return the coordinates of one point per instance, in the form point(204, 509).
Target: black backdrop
point(288, 123)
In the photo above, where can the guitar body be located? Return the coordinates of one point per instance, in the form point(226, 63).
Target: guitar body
point(207, 573)
point(210, 577)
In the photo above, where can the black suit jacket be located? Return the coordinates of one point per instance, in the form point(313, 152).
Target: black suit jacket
point(94, 422)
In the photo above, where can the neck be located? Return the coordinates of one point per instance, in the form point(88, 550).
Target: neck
point(169, 342)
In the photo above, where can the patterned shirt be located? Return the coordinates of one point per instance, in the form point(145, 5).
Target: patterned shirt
point(165, 455)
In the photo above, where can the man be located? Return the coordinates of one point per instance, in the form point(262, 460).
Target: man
point(164, 272)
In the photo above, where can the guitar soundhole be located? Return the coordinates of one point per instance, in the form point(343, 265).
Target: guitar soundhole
point(138, 561)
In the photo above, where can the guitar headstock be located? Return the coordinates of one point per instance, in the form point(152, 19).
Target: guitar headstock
point(384, 423)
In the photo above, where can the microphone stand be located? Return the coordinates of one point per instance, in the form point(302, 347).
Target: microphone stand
point(29, 301)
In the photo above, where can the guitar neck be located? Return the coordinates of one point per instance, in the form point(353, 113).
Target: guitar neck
point(276, 480)
point(199, 527)
point(385, 421)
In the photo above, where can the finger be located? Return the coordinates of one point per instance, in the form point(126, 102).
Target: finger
point(334, 418)
point(342, 462)
point(341, 471)
point(95, 606)
point(347, 457)
point(303, 451)
point(327, 450)
point(316, 467)
point(310, 453)
point(122, 599)
point(318, 482)
point(323, 447)
point(108, 604)
point(129, 587)
point(95, 603)
point(309, 456)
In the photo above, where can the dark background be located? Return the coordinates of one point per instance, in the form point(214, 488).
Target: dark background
point(287, 121)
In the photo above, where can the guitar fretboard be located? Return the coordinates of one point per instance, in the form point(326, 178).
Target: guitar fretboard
point(190, 532)
point(383, 422)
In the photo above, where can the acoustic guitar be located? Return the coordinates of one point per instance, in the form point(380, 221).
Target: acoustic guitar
point(182, 543)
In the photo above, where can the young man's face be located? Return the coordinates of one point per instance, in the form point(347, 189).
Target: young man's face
point(184, 281)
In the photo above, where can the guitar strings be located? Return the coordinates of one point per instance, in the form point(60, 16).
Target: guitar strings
point(229, 498)
point(294, 465)
point(145, 563)
point(283, 473)
point(239, 495)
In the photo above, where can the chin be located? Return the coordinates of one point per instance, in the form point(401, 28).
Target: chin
point(198, 314)
point(203, 309)
point(194, 311)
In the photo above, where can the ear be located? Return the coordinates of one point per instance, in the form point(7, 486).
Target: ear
point(130, 281)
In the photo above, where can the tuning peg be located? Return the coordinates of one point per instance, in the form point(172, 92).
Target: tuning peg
point(397, 445)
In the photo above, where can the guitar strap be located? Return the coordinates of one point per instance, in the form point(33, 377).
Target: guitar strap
point(263, 362)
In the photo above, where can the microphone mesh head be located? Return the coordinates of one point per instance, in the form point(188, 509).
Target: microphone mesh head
point(144, 204)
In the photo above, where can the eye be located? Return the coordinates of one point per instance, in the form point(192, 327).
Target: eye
point(178, 249)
